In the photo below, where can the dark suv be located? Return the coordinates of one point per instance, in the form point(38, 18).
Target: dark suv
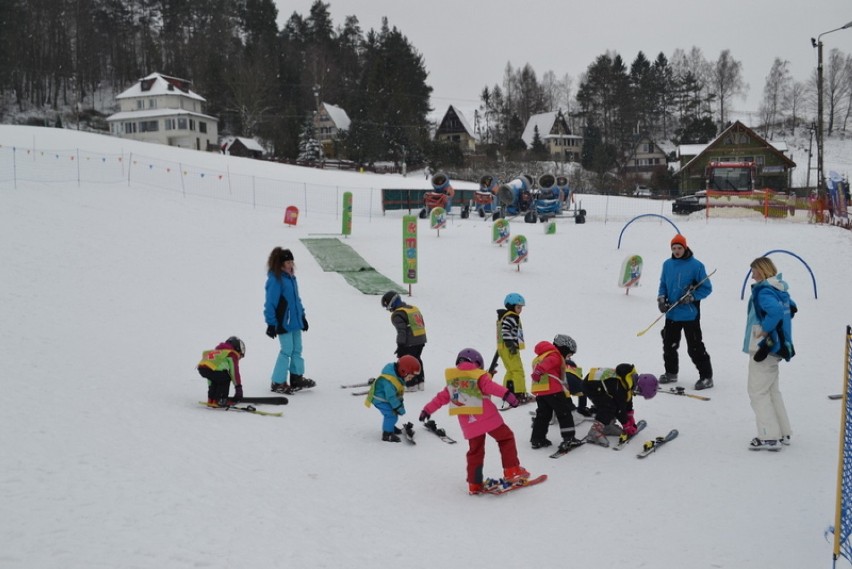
point(688, 204)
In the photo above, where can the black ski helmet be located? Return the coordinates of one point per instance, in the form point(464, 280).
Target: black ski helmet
point(238, 345)
point(391, 300)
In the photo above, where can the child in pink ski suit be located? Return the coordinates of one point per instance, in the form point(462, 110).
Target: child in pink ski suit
point(468, 391)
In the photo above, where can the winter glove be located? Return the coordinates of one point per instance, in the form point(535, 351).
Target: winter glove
point(399, 410)
point(424, 416)
point(629, 427)
point(762, 351)
point(511, 399)
point(536, 374)
point(663, 304)
point(687, 298)
point(270, 331)
point(512, 346)
point(238, 393)
point(304, 324)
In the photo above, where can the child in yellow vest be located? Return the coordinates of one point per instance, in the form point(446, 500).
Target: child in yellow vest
point(410, 333)
point(548, 386)
point(220, 367)
point(510, 342)
point(386, 394)
point(468, 392)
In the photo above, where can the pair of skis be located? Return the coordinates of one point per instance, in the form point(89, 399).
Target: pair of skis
point(681, 391)
point(367, 384)
point(500, 486)
point(408, 431)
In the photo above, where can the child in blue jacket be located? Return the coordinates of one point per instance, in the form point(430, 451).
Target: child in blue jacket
point(386, 394)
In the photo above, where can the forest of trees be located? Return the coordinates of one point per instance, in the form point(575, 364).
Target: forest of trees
point(266, 82)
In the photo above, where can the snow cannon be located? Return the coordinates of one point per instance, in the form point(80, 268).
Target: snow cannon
point(562, 183)
point(483, 198)
point(547, 188)
point(441, 196)
point(487, 183)
point(510, 194)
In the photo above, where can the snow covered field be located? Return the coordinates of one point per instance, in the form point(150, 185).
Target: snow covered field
point(110, 291)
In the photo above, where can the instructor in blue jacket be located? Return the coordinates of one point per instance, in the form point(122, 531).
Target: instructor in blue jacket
point(680, 274)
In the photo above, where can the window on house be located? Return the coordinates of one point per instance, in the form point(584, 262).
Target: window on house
point(191, 124)
point(152, 103)
point(169, 124)
point(181, 123)
point(140, 104)
point(129, 127)
point(202, 127)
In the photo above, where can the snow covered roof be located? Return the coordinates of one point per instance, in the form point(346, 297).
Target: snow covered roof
point(159, 84)
point(155, 113)
point(249, 143)
point(544, 122)
point(464, 122)
point(338, 116)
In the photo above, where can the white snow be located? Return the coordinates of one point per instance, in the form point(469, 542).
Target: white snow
point(110, 291)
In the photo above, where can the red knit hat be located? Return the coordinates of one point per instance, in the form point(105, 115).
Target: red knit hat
point(679, 240)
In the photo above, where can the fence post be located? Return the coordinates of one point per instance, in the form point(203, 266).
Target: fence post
point(129, 164)
point(182, 183)
point(78, 167)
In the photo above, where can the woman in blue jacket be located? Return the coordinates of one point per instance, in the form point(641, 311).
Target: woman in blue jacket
point(285, 319)
point(768, 340)
point(681, 272)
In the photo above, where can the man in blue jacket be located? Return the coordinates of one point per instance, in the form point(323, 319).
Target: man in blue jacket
point(680, 273)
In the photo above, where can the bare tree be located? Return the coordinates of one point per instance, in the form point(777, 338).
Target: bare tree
point(728, 82)
point(778, 84)
point(796, 97)
point(836, 86)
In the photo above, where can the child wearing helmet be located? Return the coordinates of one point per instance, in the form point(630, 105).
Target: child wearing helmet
point(611, 391)
point(221, 366)
point(386, 394)
point(410, 333)
point(573, 374)
point(468, 392)
point(548, 386)
point(510, 340)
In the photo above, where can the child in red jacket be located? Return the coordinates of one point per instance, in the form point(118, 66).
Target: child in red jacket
point(468, 391)
point(548, 386)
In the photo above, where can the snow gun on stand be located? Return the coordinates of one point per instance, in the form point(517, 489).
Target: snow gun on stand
point(484, 198)
point(578, 213)
point(515, 196)
point(441, 196)
point(548, 200)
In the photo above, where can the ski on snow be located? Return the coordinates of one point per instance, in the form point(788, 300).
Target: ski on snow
point(624, 439)
point(440, 433)
point(563, 452)
point(682, 391)
point(247, 409)
point(652, 446)
point(500, 486)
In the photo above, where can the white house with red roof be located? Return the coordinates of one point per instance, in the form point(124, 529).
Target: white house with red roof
point(163, 109)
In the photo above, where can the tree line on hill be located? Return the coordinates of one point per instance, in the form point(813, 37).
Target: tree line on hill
point(267, 82)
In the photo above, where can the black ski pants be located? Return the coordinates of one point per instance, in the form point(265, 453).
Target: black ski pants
point(694, 346)
point(547, 405)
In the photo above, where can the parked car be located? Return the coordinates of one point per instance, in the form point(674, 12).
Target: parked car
point(642, 192)
point(688, 204)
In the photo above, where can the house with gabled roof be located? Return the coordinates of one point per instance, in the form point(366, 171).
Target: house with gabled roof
point(454, 128)
point(645, 157)
point(330, 122)
point(555, 135)
point(737, 143)
point(163, 109)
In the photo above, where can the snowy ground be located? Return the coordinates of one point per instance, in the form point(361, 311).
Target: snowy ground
point(110, 291)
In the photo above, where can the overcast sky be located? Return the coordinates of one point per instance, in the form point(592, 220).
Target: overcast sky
point(467, 43)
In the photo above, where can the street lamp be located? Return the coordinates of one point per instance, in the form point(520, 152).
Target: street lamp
point(817, 43)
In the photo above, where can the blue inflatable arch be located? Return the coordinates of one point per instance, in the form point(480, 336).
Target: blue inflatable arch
point(623, 229)
point(748, 274)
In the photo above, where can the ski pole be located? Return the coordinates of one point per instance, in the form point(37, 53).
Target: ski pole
point(687, 293)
